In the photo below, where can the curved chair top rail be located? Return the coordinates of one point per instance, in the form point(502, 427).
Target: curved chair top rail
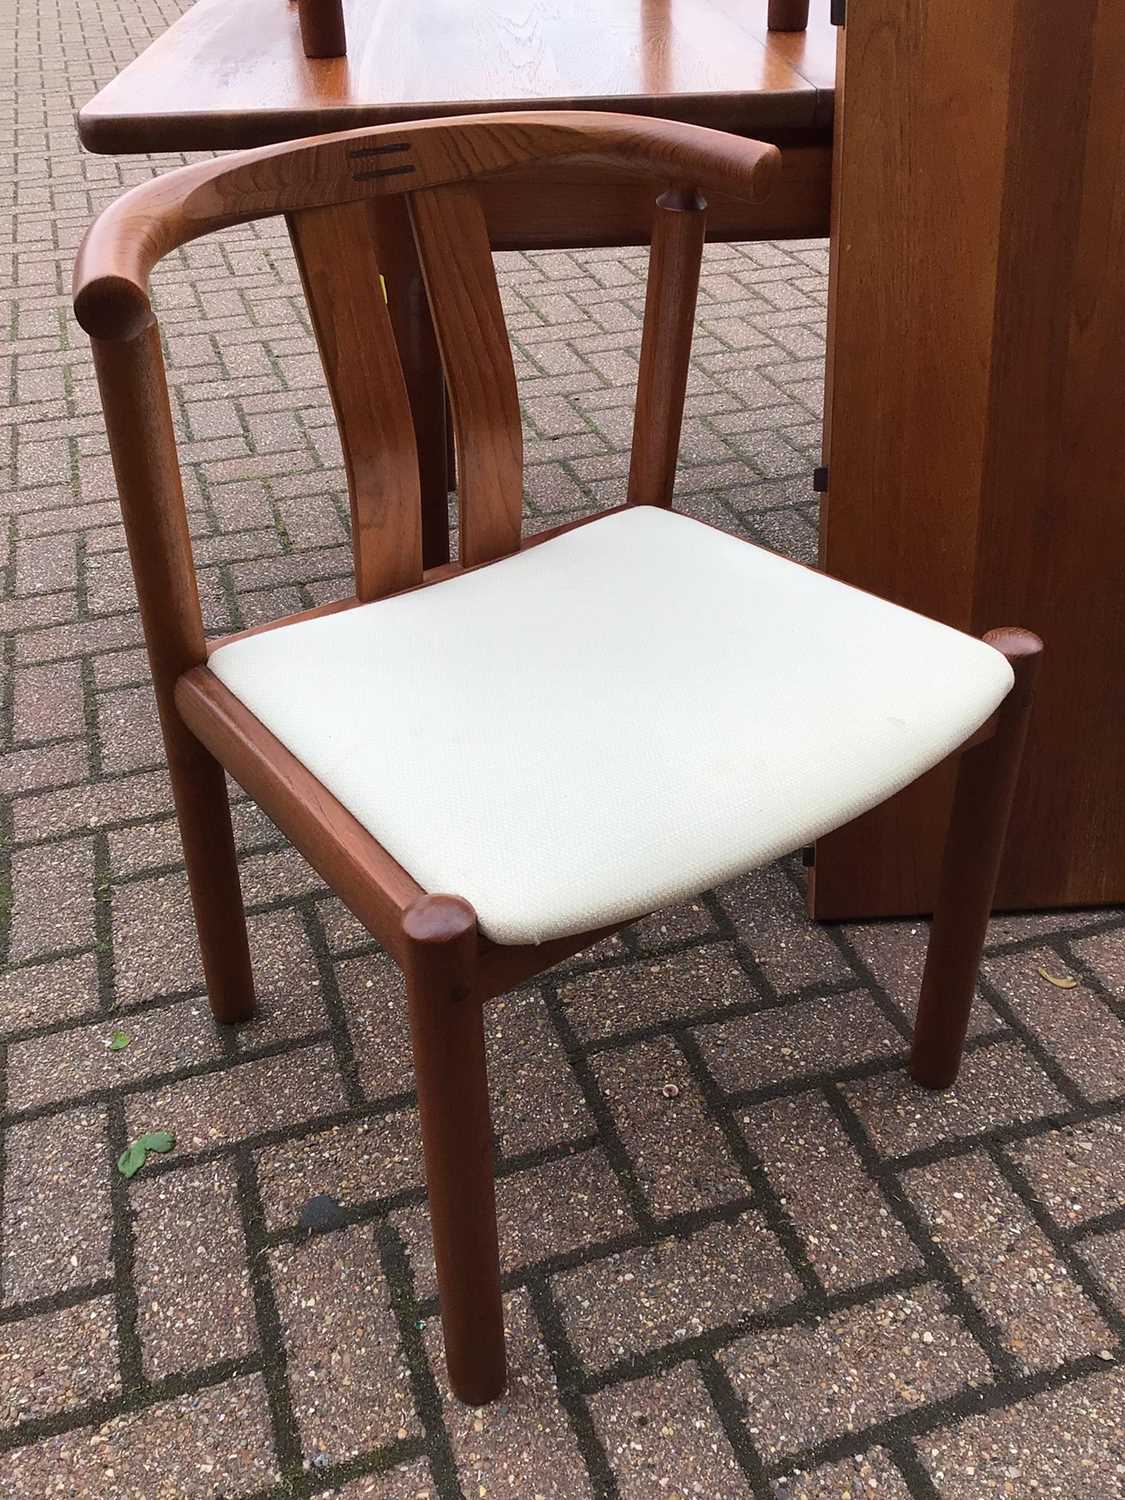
point(133, 233)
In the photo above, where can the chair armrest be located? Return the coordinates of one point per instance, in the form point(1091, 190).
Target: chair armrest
point(130, 236)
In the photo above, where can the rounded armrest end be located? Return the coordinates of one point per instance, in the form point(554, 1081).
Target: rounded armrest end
point(111, 307)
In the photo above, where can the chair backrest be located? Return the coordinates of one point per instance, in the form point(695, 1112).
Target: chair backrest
point(336, 192)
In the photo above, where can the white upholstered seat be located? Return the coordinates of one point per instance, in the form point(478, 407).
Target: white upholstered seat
point(615, 719)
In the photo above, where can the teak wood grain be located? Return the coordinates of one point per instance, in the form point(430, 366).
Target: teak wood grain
point(413, 329)
point(335, 251)
point(786, 15)
point(142, 443)
point(333, 191)
point(976, 469)
point(231, 75)
point(673, 280)
point(126, 241)
point(323, 33)
point(456, 258)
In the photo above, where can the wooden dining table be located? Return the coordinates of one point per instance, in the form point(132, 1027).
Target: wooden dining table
point(971, 464)
point(228, 75)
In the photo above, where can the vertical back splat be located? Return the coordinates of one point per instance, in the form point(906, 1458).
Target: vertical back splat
point(336, 254)
point(456, 257)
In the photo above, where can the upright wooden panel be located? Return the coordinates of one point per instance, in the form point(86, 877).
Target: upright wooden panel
point(975, 474)
point(336, 255)
point(456, 258)
point(1051, 553)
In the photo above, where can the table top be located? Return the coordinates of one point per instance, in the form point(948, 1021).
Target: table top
point(231, 73)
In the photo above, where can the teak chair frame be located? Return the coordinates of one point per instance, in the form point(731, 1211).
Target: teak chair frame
point(359, 203)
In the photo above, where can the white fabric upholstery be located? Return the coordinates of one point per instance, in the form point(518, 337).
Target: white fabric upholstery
point(613, 720)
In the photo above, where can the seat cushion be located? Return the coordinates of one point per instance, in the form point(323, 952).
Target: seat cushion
point(615, 719)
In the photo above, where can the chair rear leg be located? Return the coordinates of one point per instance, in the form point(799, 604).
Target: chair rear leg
point(447, 1028)
point(986, 783)
point(203, 811)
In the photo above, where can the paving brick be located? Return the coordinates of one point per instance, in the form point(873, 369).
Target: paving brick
point(194, 1303)
point(677, 1152)
point(1105, 954)
point(155, 949)
point(640, 1299)
point(523, 1445)
point(353, 1163)
point(1079, 1030)
point(684, 984)
point(375, 997)
point(1105, 1256)
point(789, 1041)
point(895, 953)
point(859, 1478)
point(805, 1385)
point(45, 766)
point(56, 1361)
point(691, 919)
point(47, 701)
point(342, 930)
point(278, 876)
point(48, 1069)
point(847, 1228)
point(49, 814)
point(663, 1437)
point(115, 668)
point(768, 914)
point(287, 984)
point(997, 1085)
point(221, 1107)
point(46, 564)
point(70, 637)
point(44, 994)
point(1006, 1263)
point(1077, 1173)
point(411, 1481)
point(542, 1212)
point(109, 584)
point(56, 1205)
point(348, 1379)
point(1068, 1442)
point(129, 730)
point(535, 1097)
point(53, 899)
point(180, 1448)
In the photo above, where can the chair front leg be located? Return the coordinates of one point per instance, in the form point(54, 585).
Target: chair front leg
point(447, 1029)
point(199, 789)
point(986, 784)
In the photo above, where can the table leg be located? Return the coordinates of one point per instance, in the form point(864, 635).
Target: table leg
point(421, 368)
point(788, 15)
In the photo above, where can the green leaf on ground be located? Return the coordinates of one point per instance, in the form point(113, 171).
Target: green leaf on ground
point(157, 1140)
point(133, 1158)
point(118, 1041)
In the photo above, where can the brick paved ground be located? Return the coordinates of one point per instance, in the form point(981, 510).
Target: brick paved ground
point(797, 1277)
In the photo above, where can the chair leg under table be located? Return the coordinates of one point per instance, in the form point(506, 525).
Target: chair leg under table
point(447, 1029)
point(986, 784)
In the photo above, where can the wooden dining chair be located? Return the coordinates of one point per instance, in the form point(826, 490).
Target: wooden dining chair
point(498, 762)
